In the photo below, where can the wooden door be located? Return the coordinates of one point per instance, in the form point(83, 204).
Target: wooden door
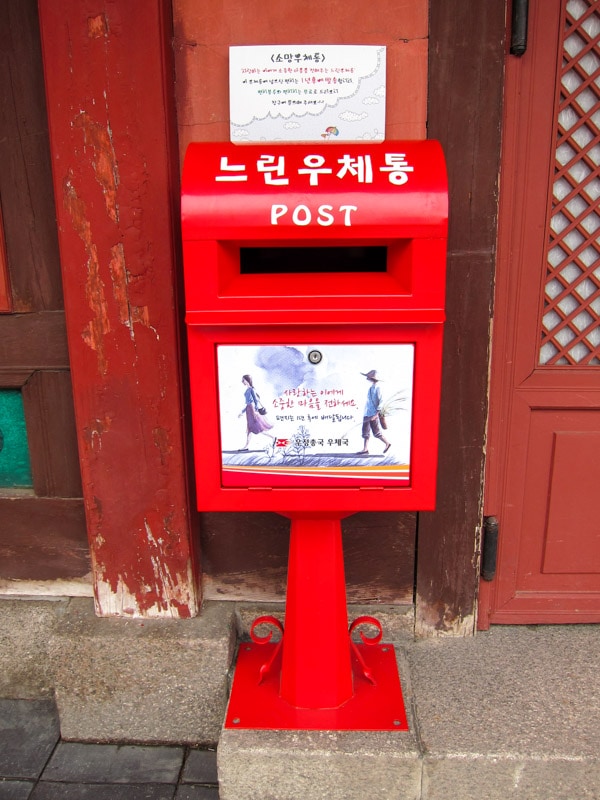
point(544, 436)
point(42, 523)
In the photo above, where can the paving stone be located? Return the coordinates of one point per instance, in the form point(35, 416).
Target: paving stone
point(473, 778)
point(200, 767)
point(197, 793)
point(29, 732)
point(15, 790)
point(81, 791)
point(513, 692)
point(77, 762)
point(133, 680)
point(318, 765)
point(25, 628)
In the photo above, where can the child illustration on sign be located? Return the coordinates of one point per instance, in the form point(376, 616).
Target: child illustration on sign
point(254, 411)
point(371, 413)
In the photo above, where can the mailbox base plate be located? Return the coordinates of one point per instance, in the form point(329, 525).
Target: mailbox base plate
point(373, 707)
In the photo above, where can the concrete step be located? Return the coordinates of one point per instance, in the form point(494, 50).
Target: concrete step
point(512, 713)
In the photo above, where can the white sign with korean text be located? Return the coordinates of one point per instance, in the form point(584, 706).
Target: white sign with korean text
point(304, 93)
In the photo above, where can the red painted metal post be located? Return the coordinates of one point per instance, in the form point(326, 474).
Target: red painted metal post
point(316, 669)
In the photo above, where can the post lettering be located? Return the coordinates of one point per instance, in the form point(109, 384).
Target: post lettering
point(276, 212)
point(305, 218)
point(347, 210)
point(325, 217)
point(302, 215)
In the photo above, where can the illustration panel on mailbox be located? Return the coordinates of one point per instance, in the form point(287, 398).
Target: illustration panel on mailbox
point(310, 415)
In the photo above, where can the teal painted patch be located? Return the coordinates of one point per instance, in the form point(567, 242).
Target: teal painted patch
point(15, 467)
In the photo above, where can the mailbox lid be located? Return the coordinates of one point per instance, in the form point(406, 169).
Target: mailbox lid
point(317, 191)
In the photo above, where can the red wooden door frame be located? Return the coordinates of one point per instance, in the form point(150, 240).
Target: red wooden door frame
point(109, 84)
point(518, 384)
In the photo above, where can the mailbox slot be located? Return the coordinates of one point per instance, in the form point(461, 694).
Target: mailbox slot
point(266, 271)
point(313, 259)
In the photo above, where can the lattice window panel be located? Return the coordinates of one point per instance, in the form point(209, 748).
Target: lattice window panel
point(570, 328)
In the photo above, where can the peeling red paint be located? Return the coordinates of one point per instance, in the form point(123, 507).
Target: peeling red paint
point(97, 26)
point(133, 591)
point(95, 431)
point(161, 441)
point(183, 609)
point(104, 162)
point(96, 329)
point(128, 314)
point(114, 171)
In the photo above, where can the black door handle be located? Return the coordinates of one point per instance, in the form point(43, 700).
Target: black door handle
point(518, 34)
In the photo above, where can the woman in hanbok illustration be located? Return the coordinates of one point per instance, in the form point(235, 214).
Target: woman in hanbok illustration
point(255, 413)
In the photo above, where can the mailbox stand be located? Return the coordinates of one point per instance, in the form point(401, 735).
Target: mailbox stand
point(314, 211)
point(315, 677)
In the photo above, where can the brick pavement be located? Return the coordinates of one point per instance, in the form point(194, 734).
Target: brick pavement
point(36, 764)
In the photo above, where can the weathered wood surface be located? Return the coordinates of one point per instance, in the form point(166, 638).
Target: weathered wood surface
point(204, 32)
point(33, 341)
point(40, 538)
point(245, 556)
point(25, 177)
point(465, 103)
point(48, 403)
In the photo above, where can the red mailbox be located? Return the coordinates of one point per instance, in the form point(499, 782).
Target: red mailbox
point(315, 284)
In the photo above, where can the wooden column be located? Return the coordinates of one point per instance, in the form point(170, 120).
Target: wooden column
point(109, 82)
point(466, 48)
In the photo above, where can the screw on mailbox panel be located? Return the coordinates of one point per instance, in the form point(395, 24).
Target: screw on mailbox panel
point(236, 721)
point(397, 723)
